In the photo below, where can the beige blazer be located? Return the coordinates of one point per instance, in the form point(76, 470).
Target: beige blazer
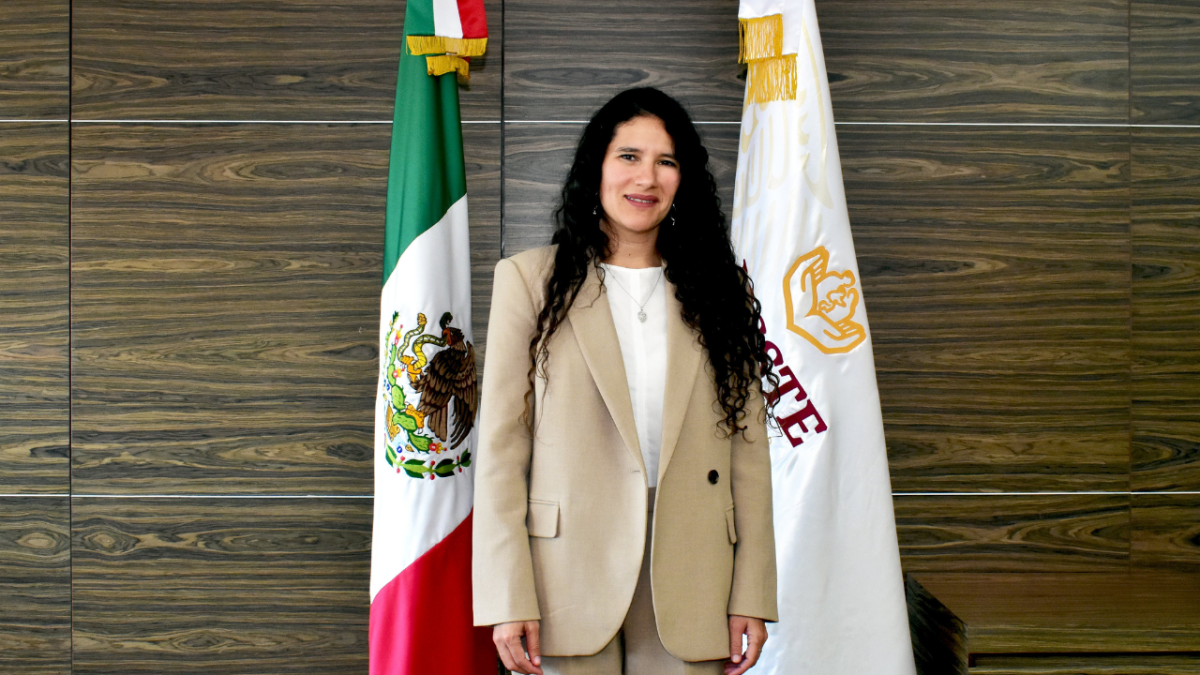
point(560, 516)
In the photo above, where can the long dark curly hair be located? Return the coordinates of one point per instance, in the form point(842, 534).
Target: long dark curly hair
point(716, 293)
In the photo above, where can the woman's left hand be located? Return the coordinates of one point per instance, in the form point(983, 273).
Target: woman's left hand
point(756, 632)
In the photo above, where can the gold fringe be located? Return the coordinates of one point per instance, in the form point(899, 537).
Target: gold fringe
point(436, 44)
point(448, 63)
point(771, 79)
point(467, 46)
point(759, 38)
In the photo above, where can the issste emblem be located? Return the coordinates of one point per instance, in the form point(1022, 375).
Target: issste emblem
point(821, 303)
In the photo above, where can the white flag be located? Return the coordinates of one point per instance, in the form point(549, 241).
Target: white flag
point(841, 596)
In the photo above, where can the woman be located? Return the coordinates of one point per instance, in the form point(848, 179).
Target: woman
point(622, 488)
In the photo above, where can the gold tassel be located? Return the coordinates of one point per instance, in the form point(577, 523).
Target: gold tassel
point(435, 44)
point(771, 79)
point(448, 63)
point(759, 38)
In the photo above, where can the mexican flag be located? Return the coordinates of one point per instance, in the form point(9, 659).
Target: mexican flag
point(841, 595)
point(427, 397)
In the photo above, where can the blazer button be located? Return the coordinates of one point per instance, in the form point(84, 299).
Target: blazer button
point(713, 476)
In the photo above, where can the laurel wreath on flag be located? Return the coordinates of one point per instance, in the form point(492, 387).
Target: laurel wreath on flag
point(411, 446)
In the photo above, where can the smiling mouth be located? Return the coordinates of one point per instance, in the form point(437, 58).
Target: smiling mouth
point(642, 200)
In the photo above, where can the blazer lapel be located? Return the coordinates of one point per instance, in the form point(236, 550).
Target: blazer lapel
point(684, 355)
point(591, 321)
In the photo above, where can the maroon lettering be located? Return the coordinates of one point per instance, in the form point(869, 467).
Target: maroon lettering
point(796, 419)
point(787, 382)
point(777, 359)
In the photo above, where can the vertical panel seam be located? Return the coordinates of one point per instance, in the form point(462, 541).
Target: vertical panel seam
point(70, 340)
point(1132, 233)
point(503, 129)
point(1132, 347)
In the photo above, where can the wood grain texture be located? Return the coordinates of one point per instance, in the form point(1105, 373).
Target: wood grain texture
point(221, 586)
point(1030, 613)
point(1164, 61)
point(939, 638)
point(995, 266)
point(975, 61)
point(35, 564)
point(481, 148)
point(33, 308)
point(1166, 309)
point(562, 61)
point(538, 156)
point(226, 299)
point(1088, 664)
point(252, 59)
point(34, 46)
point(1166, 533)
point(1012, 533)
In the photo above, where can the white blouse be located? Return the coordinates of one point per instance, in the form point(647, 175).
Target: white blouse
point(643, 349)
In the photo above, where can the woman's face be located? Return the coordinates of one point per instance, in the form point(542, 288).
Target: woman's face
point(639, 177)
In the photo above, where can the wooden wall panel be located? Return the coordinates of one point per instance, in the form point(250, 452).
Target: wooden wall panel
point(538, 156)
point(939, 61)
point(1166, 309)
point(33, 308)
point(226, 299)
point(995, 269)
point(35, 562)
point(226, 285)
point(536, 160)
point(1164, 61)
point(221, 586)
point(975, 61)
point(481, 147)
point(34, 45)
point(1166, 532)
point(563, 61)
point(237, 60)
point(1087, 664)
point(1055, 614)
point(1013, 533)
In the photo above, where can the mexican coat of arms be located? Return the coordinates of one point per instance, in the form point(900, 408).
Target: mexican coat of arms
point(421, 392)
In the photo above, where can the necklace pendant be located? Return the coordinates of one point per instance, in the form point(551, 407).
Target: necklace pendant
point(641, 316)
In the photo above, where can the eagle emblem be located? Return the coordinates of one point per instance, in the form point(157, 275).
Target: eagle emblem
point(421, 392)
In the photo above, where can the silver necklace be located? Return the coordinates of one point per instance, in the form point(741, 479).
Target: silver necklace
point(641, 315)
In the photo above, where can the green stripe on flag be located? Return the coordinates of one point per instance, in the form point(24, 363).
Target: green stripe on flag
point(426, 174)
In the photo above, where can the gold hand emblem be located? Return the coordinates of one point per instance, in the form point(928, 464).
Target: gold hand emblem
point(821, 303)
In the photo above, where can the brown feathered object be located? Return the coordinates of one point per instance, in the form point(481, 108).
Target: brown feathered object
point(450, 377)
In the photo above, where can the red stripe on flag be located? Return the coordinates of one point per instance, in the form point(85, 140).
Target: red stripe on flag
point(472, 18)
point(421, 621)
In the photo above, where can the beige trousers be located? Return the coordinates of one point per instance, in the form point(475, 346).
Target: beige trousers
point(636, 649)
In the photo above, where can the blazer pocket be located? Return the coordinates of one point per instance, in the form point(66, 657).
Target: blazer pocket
point(543, 518)
point(729, 524)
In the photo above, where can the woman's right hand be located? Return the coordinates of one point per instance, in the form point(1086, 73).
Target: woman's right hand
point(507, 637)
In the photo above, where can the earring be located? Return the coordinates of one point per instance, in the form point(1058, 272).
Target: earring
point(671, 213)
point(596, 208)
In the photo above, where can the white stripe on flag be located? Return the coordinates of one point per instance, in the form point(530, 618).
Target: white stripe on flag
point(432, 276)
point(446, 21)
